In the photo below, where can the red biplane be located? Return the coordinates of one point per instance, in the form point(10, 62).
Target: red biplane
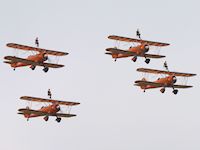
point(46, 111)
point(136, 51)
point(165, 82)
point(37, 59)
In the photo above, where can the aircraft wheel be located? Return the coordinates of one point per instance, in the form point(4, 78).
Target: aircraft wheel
point(134, 58)
point(46, 118)
point(175, 91)
point(45, 69)
point(58, 119)
point(14, 69)
point(32, 67)
point(147, 61)
point(162, 90)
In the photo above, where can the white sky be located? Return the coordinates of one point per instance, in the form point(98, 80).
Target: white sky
point(113, 114)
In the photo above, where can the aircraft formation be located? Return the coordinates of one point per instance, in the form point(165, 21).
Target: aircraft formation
point(141, 50)
point(40, 57)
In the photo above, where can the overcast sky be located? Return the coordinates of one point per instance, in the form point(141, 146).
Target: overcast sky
point(114, 114)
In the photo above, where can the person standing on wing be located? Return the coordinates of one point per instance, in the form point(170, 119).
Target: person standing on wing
point(138, 34)
point(49, 93)
point(37, 42)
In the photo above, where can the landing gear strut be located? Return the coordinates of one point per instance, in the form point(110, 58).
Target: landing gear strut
point(45, 69)
point(147, 60)
point(58, 119)
point(134, 58)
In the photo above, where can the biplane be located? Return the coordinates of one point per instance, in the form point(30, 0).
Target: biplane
point(37, 59)
point(136, 51)
point(165, 82)
point(53, 109)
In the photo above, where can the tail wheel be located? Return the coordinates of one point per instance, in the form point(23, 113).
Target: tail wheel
point(45, 69)
point(162, 90)
point(175, 91)
point(58, 119)
point(134, 58)
point(147, 60)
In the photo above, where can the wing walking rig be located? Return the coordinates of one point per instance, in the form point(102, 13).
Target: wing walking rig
point(53, 109)
point(33, 60)
point(141, 50)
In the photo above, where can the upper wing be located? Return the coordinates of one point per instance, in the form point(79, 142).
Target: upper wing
point(145, 83)
point(165, 72)
point(126, 39)
point(41, 113)
point(119, 51)
point(36, 99)
point(14, 59)
point(29, 48)
point(153, 56)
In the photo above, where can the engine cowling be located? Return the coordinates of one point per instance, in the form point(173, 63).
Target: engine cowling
point(174, 79)
point(146, 47)
point(58, 108)
point(45, 58)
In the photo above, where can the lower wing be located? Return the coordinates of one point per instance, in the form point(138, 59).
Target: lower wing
point(119, 51)
point(29, 62)
point(30, 111)
point(41, 113)
point(145, 83)
point(64, 115)
point(153, 56)
point(182, 86)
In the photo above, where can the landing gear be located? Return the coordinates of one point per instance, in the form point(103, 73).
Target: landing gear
point(115, 59)
point(45, 69)
point(134, 58)
point(175, 91)
point(58, 119)
point(147, 60)
point(162, 90)
point(13, 69)
point(32, 67)
point(46, 118)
